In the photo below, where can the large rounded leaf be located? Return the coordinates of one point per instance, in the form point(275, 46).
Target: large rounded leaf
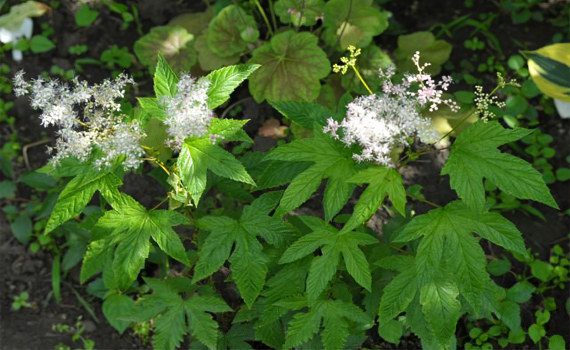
point(209, 60)
point(230, 32)
point(300, 12)
point(352, 22)
point(195, 22)
point(434, 51)
point(172, 42)
point(292, 65)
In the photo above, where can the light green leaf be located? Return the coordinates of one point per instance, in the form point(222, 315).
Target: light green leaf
point(225, 80)
point(248, 261)
point(249, 269)
point(391, 331)
point(331, 160)
point(215, 250)
point(292, 65)
point(352, 22)
point(398, 294)
point(129, 226)
point(475, 156)
point(199, 155)
point(41, 44)
point(302, 328)
point(18, 13)
point(556, 342)
point(164, 79)
point(172, 42)
point(323, 268)
point(77, 194)
point(436, 52)
point(169, 329)
point(441, 308)
point(521, 292)
point(117, 309)
point(203, 327)
point(305, 246)
point(357, 265)
point(383, 182)
point(308, 115)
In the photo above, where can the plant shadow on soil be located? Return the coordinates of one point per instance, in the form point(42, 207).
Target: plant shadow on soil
point(31, 328)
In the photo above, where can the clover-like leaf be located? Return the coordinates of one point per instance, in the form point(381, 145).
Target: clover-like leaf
point(230, 31)
point(172, 42)
point(352, 22)
point(292, 65)
point(300, 12)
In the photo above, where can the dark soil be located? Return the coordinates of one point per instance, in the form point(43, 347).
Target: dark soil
point(20, 270)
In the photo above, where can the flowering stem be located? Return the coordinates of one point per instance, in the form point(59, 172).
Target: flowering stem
point(361, 79)
point(265, 19)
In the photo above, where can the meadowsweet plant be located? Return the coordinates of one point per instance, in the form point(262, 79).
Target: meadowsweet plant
point(293, 276)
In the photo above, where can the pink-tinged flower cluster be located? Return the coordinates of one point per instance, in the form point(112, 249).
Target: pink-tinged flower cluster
point(380, 122)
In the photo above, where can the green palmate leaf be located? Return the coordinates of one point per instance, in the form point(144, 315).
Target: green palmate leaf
point(300, 12)
point(333, 244)
point(236, 241)
point(383, 182)
point(175, 317)
point(292, 65)
point(225, 80)
point(336, 316)
point(352, 22)
point(331, 160)
point(449, 263)
point(78, 192)
point(172, 42)
point(165, 80)
point(200, 155)
point(230, 32)
point(475, 156)
point(124, 234)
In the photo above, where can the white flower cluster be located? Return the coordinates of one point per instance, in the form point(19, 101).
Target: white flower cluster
point(188, 112)
point(86, 118)
point(379, 123)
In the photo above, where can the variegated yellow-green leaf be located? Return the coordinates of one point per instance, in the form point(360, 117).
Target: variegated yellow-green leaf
point(549, 67)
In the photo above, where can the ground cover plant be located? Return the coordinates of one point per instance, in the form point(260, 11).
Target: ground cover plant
point(285, 174)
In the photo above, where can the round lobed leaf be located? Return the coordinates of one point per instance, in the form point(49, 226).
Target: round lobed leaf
point(292, 65)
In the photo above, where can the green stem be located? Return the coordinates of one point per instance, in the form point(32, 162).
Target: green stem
point(272, 12)
point(265, 19)
point(362, 79)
